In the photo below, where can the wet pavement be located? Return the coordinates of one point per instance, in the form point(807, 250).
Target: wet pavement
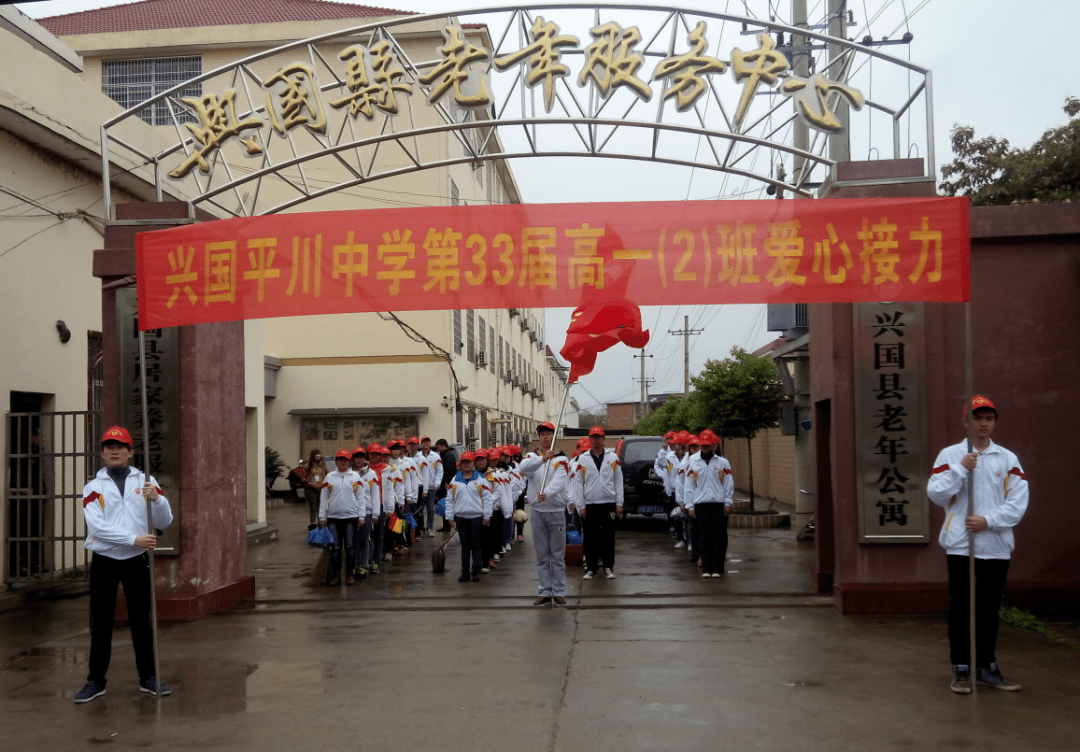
point(656, 659)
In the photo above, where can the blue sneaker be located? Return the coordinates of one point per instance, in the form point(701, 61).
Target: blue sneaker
point(91, 691)
point(150, 687)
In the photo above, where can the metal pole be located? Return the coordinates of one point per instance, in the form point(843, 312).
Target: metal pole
point(558, 425)
point(149, 517)
point(971, 491)
point(686, 356)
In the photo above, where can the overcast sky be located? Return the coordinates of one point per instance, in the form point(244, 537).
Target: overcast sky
point(1003, 67)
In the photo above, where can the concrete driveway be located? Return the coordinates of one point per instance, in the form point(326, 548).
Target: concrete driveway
point(655, 659)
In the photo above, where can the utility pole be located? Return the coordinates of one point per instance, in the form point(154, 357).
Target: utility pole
point(686, 331)
point(644, 381)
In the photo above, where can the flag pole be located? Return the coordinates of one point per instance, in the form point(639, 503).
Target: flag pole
point(558, 425)
point(149, 516)
point(970, 378)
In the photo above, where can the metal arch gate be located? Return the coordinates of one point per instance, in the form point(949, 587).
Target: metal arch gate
point(50, 456)
point(240, 152)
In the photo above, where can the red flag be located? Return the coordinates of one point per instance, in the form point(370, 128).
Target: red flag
point(597, 327)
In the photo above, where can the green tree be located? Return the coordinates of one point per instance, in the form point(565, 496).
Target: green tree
point(677, 414)
point(741, 395)
point(992, 173)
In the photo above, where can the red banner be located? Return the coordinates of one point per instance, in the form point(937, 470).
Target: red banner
point(556, 255)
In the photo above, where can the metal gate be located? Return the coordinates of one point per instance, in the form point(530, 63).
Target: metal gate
point(50, 457)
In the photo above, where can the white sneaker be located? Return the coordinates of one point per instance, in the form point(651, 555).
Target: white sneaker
point(609, 574)
point(706, 574)
point(484, 570)
point(680, 544)
point(431, 533)
point(588, 575)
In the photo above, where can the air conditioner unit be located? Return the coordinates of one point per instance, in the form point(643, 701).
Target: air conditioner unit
point(524, 325)
point(513, 312)
point(532, 335)
point(472, 432)
point(481, 359)
point(524, 387)
point(506, 377)
point(541, 396)
point(514, 379)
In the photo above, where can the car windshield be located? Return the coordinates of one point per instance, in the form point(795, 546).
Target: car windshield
point(645, 449)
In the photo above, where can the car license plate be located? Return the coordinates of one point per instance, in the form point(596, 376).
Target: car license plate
point(650, 510)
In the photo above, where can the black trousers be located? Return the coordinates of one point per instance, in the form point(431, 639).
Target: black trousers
point(989, 584)
point(469, 531)
point(599, 535)
point(105, 576)
point(490, 538)
point(712, 535)
point(344, 536)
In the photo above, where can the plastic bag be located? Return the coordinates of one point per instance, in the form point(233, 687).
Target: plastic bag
point(321, 537)
point(573, 538)
point(440, 508)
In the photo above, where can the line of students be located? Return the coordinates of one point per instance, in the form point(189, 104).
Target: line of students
point(480, 503)
point(699, 481)
point(367, 496)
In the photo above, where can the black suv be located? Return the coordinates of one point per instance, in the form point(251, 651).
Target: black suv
point(643, 490)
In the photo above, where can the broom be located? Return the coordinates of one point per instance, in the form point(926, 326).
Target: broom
point(438, 556)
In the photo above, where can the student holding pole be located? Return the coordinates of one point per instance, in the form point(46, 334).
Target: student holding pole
point(996, 481)
point(115, 505)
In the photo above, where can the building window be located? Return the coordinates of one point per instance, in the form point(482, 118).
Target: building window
point(491, 339)
point(483, 338)
point(455, 197)
point(131, 82)
point(470, 335)
point(458, 342)
point(502, 363)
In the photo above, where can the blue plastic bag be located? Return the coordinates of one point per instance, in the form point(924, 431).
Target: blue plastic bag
point(411, 521)
point(440, 508)
point(573, 538)
point(321, 537)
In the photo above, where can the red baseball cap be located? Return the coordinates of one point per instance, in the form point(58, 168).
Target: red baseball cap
point(670, 435)
point(425, 438)
point(515, 449)
point(467, 457)
point(117, 434)
point(396, 443)
point(596, 431)
point(692, 440)
point(343, 454)
point(358, 450)
point(584, 443)
point(481, 453)
point(708, 437)
point(545, 426)
point(374, 448)
point(683, 438)
point(414, 440)
point(979, 402)
point(495, 453)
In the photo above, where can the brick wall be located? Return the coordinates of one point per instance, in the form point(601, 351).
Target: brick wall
point(774, 465)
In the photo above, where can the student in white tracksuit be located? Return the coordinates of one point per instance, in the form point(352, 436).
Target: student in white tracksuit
point(431, 473)
point(117, 532)
point(371, 499)
point(1001, 498)
point(342, 502)
point(549, 515)
point(598, 495)
point(469, 500)
point(708, 492)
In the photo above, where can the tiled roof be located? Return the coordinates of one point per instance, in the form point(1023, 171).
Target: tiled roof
point(180, 14)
